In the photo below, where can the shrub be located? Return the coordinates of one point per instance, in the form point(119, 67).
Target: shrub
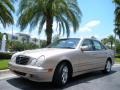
point(5, 55)
point(19, 46)
point(117, 55)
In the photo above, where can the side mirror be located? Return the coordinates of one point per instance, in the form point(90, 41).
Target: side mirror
point(85, 48)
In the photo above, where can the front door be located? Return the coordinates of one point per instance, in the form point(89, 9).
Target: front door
point(87, 58)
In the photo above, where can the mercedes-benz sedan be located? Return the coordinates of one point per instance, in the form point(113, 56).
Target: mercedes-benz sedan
point(62, 60)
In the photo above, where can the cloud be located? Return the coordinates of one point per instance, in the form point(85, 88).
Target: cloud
point(89, 26)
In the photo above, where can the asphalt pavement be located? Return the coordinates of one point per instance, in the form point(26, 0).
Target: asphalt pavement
point(89, 81)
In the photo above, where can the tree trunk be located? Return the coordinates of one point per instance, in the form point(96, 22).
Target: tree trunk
point(49, 31)
point(49, 22)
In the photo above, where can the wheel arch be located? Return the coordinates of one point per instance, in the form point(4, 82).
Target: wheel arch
point(109, 59)
point(68, 63)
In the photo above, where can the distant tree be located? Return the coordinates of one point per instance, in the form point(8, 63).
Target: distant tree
point(118, 46)
point(1, 36)
point(117, 31)
point(30, 46)
point(43, 43)
point(93, 37)
point(35, 40)
point(105, 41)
point(18, 46)
point(109, 41)
point(56, 37)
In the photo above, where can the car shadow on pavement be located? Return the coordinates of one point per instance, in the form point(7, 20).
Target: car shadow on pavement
point(25, 84)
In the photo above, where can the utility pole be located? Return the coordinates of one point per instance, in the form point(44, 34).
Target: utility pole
point(12, 38)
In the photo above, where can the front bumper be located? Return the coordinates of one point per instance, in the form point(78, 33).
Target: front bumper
point(33, 73)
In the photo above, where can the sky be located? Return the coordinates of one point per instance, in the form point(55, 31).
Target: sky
point(97, 20)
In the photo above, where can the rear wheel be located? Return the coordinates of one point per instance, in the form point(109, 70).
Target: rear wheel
point(61, 75)
point(108, 66)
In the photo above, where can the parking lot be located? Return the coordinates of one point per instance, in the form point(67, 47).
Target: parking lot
point(90, 81)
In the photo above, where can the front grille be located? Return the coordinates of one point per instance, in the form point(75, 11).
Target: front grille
point(22, 60)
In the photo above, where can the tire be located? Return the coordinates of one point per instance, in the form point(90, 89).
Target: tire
point(61, 75)
point(108, 67)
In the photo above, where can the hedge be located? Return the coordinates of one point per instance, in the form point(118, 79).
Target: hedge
point(5, 55)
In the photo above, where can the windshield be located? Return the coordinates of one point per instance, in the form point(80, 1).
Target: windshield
point(65, 43)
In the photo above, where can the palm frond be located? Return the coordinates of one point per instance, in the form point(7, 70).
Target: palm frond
point(41, 24)
point(6, 17)
point(9, 5)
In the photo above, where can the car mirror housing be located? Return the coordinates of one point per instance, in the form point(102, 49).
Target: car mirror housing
point(85, 48)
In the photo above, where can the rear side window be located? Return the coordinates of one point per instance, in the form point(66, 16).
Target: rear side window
point(97, 45)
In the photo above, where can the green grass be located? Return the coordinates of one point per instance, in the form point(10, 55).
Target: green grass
point(117, 60)
point(4, 64)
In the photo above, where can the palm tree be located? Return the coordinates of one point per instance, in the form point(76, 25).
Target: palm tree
point(117, 17)
point(104, 41)
point(55, 38)
point(109, 41)
point(6, 18)
point(66, 13)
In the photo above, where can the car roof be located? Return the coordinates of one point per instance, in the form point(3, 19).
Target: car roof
point(81, 38)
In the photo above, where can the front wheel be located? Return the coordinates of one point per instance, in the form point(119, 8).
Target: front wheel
point(61, 75)
point(108, 67)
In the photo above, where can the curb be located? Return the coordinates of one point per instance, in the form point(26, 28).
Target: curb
point(4, 71)
point(4, 74)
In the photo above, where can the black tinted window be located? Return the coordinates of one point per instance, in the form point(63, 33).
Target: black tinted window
point(65, 43)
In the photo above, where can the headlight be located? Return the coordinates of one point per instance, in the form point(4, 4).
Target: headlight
point(40, 60)
point(13, 58)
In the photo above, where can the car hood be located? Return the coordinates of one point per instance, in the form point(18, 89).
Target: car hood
point(47, 52)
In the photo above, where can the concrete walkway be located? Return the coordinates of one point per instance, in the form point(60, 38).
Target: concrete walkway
point(6, 74)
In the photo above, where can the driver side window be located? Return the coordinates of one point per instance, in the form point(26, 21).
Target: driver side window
point(88, 43)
